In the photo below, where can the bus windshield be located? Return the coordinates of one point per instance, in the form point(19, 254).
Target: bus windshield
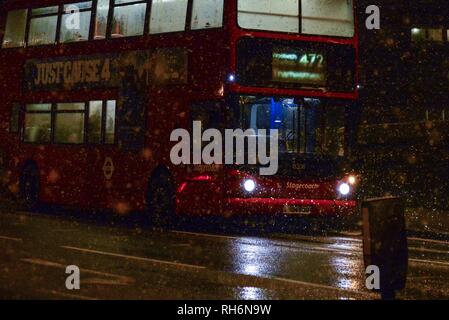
point(317, 17)
point(306, 126)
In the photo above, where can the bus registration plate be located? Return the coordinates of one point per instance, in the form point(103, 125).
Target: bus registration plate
point(297, 210)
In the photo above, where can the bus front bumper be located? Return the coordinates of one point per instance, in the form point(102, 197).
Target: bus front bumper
point(290, 207)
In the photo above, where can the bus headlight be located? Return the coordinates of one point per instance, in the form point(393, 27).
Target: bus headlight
point(249, 185)
point(344, 189)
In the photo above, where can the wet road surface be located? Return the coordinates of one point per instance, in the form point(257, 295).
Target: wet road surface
point(128, 263)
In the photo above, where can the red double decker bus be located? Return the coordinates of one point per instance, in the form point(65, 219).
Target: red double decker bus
point(92, 90)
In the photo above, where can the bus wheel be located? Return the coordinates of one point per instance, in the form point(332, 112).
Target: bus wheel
point(161, 201)
point(29, 187)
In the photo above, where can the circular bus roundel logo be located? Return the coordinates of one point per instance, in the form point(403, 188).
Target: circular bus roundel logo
point(108, 168)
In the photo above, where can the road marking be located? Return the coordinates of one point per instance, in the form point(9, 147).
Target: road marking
point(272, 242)
point(254, 280)
point(316, 239)
point(201, 267)
point(351, 233)
point(104, 282)
point(68, 295)
point(117, 255)
point(181, 245)
point(27, 214)
point(441, 263)
point(10, 238)
point(316, 285)
point(428, 250)
point(429, 240)
point(206, 235)
point(40, 262)
point(339, 251)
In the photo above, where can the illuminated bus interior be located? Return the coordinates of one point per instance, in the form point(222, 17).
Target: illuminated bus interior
point(305, 126)
point(318, 17)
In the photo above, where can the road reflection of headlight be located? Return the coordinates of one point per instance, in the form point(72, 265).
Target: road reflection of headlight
point(347, 271)
point(251, 293)
point(251, 269)
point(344, 189)
point(252, 258)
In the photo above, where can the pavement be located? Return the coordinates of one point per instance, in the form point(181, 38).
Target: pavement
point(427, 221)
point(124, 262)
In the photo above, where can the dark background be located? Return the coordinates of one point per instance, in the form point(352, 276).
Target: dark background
point(403, 139)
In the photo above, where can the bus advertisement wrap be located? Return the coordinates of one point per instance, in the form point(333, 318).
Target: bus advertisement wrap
point(158, 67)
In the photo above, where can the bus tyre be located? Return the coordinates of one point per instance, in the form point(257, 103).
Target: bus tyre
point(161, 201)
point(30, 187)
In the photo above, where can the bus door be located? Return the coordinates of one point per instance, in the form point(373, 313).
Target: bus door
point(101, 138)
point(116, 163)
point(207, 179)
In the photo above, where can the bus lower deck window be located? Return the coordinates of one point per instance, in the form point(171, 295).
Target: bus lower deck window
point(95, 124)
point(75, 123)
point(110, 122)
point(69, 123)
point(15, 29)
point(37, 123)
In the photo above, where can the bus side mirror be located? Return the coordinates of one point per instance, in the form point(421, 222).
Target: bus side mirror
point(385, 243)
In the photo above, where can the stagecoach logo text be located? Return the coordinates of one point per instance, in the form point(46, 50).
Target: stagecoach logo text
point(301, 186)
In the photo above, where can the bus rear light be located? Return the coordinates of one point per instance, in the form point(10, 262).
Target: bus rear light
point(182, 187)
point(202, 178)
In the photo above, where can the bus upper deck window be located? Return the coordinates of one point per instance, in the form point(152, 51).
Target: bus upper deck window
point(37, 123)
point(101, 20)
point(207, 14)
point(271, 15)
point(331, 18)
point(15, 29)
point(168, 16)
point(72, 29)
point(43, 26)
point(318, 17)
point(128, 18)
